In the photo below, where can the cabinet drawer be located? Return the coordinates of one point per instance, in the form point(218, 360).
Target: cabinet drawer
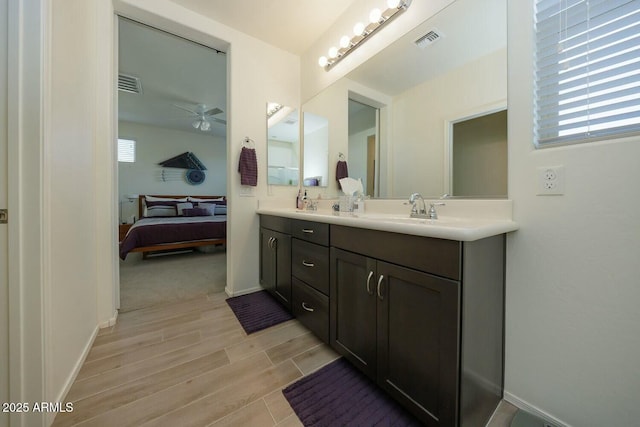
point(310, 263)
point(311, 308)
point(311, 231)
point(276, 223)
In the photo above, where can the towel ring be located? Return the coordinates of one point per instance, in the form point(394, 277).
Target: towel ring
point(340, 156)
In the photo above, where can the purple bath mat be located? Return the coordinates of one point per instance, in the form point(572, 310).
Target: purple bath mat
point(340, 395)
point(257, 311)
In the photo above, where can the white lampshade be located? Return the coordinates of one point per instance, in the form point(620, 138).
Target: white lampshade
point(358, 29)
point(375, 15)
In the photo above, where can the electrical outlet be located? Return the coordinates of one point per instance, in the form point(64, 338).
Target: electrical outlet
point(551, 181)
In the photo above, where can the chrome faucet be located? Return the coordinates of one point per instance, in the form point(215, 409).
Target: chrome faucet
point(415, 212)
point(432, 214)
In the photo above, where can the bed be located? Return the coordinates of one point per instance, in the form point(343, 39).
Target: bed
point(176, 222)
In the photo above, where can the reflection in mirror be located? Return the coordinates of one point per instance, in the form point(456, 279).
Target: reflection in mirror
point(363, 145)
point(283, 145)
point(419, 88)
point(479, 156)
point(316, 150)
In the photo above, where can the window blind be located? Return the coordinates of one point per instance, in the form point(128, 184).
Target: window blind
point(587, 70)
point(126, 150)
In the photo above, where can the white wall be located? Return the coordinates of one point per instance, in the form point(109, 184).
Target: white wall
point(70, 199)
point(420, 115)
point(573, 323)
point(154, 145)
point(4, 235)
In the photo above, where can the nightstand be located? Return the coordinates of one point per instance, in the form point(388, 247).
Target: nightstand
point(122, 231)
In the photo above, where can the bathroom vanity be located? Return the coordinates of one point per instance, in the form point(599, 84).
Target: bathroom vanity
point(419, 313)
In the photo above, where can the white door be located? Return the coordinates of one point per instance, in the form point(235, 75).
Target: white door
point(4, 252)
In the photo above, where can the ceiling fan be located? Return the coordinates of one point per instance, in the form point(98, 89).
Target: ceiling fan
point(203, 116)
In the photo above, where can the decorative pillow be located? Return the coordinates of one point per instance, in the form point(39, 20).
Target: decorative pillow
point(221, 209)
point(209, 207)
point(162, 203)
point(213, 202)
point(195, 199)
point(161, 210)
point(180, 207)
point(195, 212)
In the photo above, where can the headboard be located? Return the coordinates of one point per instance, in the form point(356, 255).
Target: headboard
point(141, 199)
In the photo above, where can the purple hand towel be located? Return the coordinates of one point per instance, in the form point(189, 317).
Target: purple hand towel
point(248, 167)
point(341, 170)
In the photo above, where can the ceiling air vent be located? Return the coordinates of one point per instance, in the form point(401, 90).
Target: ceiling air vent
point(428, 39)
point(129, 84)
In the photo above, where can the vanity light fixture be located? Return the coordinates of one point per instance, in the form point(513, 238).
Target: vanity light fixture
point(377, 19)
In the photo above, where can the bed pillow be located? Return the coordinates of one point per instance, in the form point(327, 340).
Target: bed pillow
point(195, 199)
point(221, 209)
point(160, 210)
point(164, 199)
point(180, 207)
point(196, 212)
point(209, 207)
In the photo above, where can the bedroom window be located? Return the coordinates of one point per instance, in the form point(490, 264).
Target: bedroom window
point(587, 70)
point(126, 150)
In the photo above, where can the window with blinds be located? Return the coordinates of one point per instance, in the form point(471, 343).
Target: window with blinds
point(126, 150)
point(587, 70)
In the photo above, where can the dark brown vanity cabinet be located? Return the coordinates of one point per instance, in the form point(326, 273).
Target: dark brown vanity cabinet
point(398, 313)
point(275, 257)
point(310, 270)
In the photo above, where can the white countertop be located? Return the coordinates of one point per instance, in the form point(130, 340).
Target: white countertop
point(461, 228)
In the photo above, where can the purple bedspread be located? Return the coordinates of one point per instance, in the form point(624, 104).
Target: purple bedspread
point(156, 231)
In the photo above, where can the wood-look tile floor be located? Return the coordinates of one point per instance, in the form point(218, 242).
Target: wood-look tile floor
point(191, 364)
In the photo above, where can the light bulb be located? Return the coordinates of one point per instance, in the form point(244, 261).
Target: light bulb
point(323, 61)
point(375, 15)
point(205, 126)
point(345, 41)
point(393, 4)
point(358, 29)
point(333, 52)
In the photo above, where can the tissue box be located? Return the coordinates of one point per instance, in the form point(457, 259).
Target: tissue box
point(346, 203)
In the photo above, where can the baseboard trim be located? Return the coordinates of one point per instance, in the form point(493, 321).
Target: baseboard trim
point(525, 406)
point(74, 373)
point(112, 321)
point(231, 293)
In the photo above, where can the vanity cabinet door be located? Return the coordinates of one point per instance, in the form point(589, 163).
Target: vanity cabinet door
point(275, 264)
point(418, 334)
point(353, 309)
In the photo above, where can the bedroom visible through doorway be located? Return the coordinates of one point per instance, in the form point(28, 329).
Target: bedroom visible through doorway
point(172, 179)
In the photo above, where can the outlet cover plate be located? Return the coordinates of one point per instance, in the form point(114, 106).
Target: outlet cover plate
point(550, 181)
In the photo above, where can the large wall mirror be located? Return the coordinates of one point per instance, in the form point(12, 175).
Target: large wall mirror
point(450, 68)
point(283, 145)
point(316, 149)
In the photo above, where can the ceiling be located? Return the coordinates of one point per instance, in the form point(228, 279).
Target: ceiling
point(292, 25)
point(158, 59)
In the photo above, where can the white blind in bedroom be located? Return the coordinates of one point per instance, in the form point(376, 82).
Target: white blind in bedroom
point(587, 70)
point(126, 150)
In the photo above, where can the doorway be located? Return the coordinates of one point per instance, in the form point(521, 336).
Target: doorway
point(4, 245)
point(364, 145)
point(172, 100)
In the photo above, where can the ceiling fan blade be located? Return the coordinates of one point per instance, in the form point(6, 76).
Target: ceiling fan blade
point(212, 112)
point(224, 122)
point(186, 109)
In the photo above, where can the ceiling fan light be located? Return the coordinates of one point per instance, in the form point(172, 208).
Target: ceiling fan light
point(196, 124)
point(205, 126)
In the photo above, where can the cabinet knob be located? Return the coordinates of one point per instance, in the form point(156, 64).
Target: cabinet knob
point(307, 308)
point(369, 290)
point(380, 279)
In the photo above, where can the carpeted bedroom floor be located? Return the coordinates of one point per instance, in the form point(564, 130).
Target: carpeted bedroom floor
point(168, 278)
